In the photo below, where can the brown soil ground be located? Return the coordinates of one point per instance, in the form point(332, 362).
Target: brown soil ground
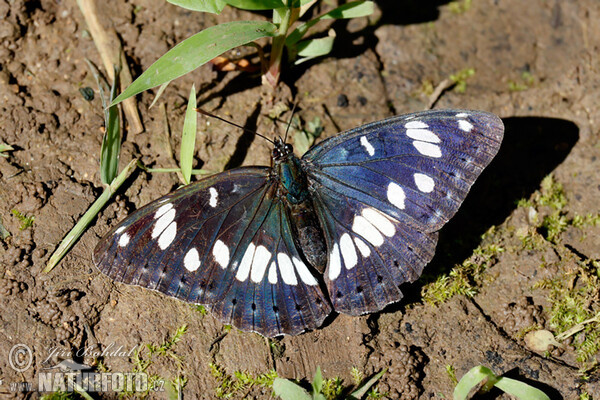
point(536, 65)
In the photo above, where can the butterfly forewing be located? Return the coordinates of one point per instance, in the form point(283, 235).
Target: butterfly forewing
point(385, 189)
point(191, 245)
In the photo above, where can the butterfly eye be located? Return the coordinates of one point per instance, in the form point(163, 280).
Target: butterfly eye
point(288, 148)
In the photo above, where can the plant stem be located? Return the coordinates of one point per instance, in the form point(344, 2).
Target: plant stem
point(272, 75)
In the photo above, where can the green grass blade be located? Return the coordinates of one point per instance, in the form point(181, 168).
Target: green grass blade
point(89, 216)
point(288, 390)
point(472, 379)
point(521, 390)
point(364, 388)
point(317, 383)
point(196, 51)
point(111, 142)
point(188, 137)
point(256, 4)
point(353, 9)
point(211, 6)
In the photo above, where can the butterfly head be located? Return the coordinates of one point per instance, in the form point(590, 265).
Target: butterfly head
point(282, 150)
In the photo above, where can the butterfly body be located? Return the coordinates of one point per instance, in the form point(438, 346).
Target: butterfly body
point(275, 250)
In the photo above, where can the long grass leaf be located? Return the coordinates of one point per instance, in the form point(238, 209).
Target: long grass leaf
point(75, 233)
point(364, 388)
point(188, 137)
point(196, 51)
point(111, 143)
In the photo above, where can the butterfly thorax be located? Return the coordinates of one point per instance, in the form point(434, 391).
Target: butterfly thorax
point(293, 191)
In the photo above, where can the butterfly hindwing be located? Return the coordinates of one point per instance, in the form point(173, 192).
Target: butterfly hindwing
point(191, 245)
point(393, 184)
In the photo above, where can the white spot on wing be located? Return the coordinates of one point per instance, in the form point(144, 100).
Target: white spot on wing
point(423, 135)
point(124, 240)
point(396, 195)
point(273, 273)
point(428, 149)
point(262, 256)
point(191, 262)
point(286, 269)
point(365, 143)
point(162, 210)
point(304, 273)
point(461, 115)
point(465, 125)
point(119, 230)
point(163, 222)
point(380, 221)
point(364, 228)
point(168, 235)
point(362, 247)
point(213, 197)
point(416, 125)
point(424, 183)
point(348, 251)
point(244, 267)
point(335, 263)
point(221, 254)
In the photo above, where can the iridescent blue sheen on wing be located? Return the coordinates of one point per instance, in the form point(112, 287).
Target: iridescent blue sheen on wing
point(415, 170)
point(216, 220)
point(364, 206)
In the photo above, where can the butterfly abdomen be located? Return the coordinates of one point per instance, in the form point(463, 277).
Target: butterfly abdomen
point(308, 235)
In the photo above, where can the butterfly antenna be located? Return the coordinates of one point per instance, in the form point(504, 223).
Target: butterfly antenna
point(209, 114)
point(290, 122)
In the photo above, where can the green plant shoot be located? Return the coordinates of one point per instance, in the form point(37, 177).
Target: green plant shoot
point(188, 137)
point(216, 40)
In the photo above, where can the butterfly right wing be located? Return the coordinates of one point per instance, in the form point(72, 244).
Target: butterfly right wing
point(223, 242)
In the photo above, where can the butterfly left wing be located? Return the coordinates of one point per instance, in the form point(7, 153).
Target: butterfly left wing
point(223, 242)
point(383, 190)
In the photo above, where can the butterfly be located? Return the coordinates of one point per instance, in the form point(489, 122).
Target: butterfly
point(277, 249)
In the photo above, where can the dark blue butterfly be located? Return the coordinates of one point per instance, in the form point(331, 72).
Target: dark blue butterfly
point(275, 250)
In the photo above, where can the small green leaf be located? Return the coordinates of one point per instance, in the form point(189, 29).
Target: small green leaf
point(288, 390)
point(196, 51)
point(159, 93)
point(520, 390)
point(472, 379)
point(211, 6)
point(188, 137)
point(317, 383)
point(256, 4)
point(353, 9)
point(312, 48)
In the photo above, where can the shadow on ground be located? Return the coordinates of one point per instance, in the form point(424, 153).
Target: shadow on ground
point(532, 148)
